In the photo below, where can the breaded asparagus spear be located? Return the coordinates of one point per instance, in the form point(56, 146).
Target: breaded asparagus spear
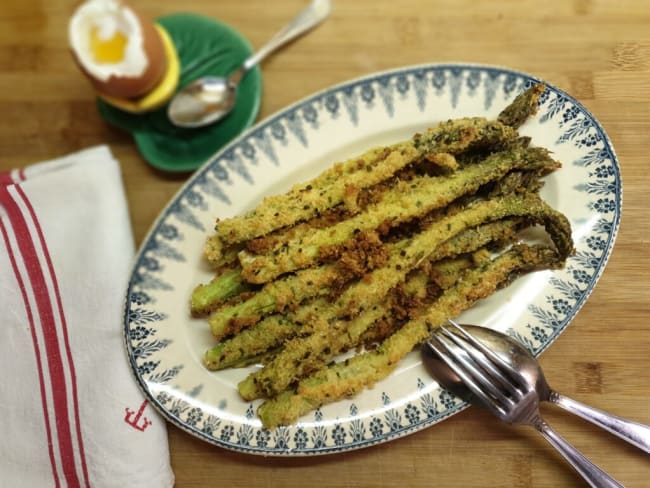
point(304, 200)
point(517, 181)
point(270, 332)
point(350, 377)
point(273, 297)
point(477, 237)
point(225, 285)
point(250, 343)
point(405, 202)
point(522, 107)
point(218, 254)
point(329, 188)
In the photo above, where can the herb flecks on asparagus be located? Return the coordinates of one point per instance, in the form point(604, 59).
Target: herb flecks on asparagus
point(371, 255)
point(345, 379)
point(273, 330)
point(329, 189)
point(406, 201)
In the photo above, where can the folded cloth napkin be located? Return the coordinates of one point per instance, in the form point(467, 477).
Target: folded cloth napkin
point(70, 411)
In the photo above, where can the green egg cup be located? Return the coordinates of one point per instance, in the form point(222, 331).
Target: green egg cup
point(205, 47)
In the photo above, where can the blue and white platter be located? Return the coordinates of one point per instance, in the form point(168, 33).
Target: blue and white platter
point(165, 344)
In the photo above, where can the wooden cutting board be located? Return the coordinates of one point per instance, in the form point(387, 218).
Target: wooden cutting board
point(598, 51)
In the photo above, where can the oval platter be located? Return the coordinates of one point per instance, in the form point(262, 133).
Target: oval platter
point(165, 344)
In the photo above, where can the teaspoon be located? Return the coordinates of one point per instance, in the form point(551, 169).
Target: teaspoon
point(211, 98)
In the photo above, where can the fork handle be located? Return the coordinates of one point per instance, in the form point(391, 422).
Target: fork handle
point(636, 434)
point(596, 477)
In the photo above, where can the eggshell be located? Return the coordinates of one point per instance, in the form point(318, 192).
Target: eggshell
point(161, 93)
point(131, 87)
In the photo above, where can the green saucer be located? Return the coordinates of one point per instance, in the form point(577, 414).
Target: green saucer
point(205, 47)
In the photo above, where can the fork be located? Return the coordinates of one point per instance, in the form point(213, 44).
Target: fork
point(502, 390)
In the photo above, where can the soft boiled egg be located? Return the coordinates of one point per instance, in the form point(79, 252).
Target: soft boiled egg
point(119, 50)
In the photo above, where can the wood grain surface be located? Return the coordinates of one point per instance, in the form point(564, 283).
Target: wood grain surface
point(598, 51)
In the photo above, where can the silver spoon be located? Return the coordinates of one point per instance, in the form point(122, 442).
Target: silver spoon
point(211, 98)
point(522, 360)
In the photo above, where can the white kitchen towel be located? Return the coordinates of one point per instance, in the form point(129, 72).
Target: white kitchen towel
point(71, 414)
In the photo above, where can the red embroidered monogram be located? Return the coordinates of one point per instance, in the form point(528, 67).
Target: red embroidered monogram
point(134, 420)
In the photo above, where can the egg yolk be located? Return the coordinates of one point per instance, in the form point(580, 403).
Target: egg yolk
point(108, 50)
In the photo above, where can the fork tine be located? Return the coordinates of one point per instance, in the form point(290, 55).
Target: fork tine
point(494, 357)
point(472, 365)
point(467, 380)
point(484, 362)
point(475, 379)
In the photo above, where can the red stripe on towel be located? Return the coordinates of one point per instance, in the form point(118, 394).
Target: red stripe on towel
point(37, 353)
point(64, 331)
point(54, 353)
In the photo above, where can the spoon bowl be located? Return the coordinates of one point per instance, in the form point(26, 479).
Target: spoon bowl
point(206, 99)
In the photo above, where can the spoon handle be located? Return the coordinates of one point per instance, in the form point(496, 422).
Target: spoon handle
point(595, 476)
point(632, 432)
point(309, 17)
